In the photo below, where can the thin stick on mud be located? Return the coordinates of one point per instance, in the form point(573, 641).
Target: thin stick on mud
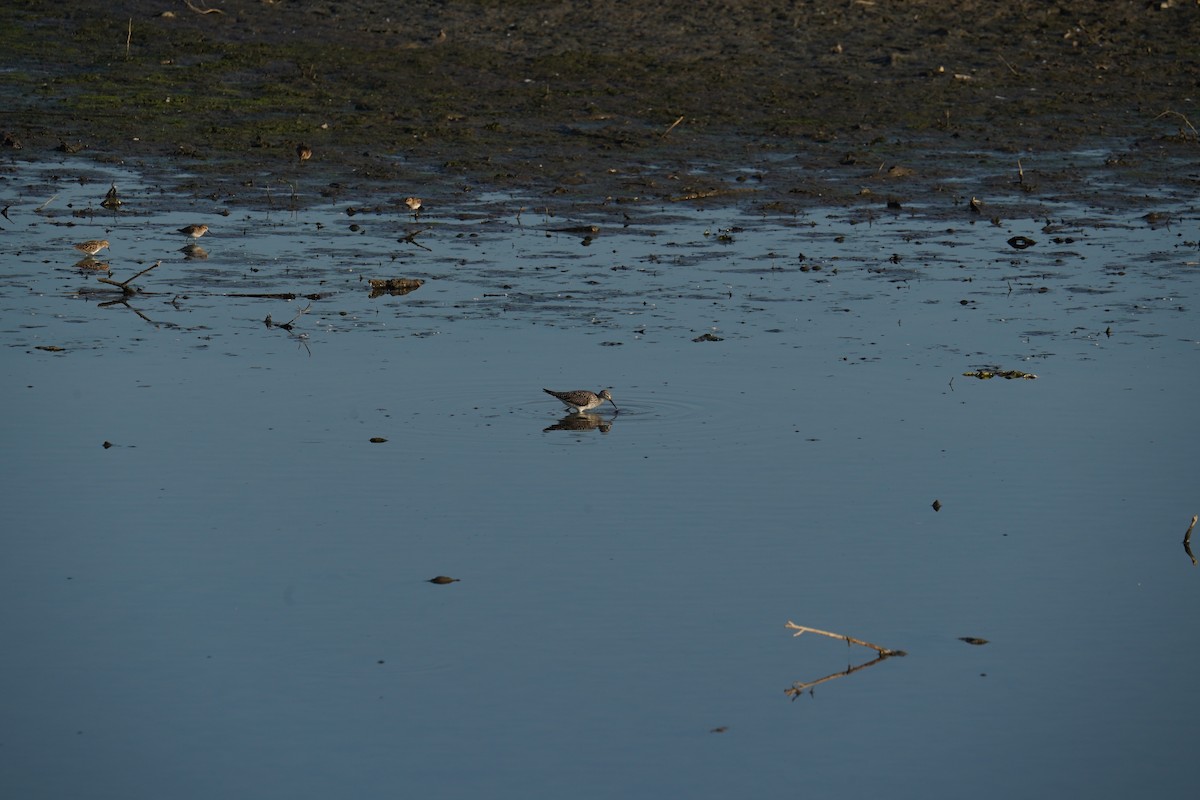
point(124, 285)
point(128, 38)
point(1020, 172)
point(849, 640)
point(671, 127)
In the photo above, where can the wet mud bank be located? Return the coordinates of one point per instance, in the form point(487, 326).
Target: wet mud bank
point(787, 105)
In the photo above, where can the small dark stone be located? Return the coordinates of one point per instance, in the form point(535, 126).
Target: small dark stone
point(107, 445)
point(973, 640)
point(937, 505)
point(441, 579)
point(377, 440)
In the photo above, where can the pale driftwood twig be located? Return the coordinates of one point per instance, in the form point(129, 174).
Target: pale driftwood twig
point(849, 640)
point(672, 127)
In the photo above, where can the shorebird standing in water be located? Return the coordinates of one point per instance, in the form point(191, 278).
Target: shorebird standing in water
point(582, 400)
point(194, 231)
point(92, 246)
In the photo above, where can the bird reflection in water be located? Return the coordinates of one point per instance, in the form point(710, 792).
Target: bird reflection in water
point(581, 422)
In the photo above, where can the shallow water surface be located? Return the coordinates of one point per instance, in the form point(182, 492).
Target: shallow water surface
point(232, 598)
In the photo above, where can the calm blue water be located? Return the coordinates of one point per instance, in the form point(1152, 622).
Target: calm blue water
point(231, 600)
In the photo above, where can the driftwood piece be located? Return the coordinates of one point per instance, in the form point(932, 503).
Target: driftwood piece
point(849, 640)
point(800, 687)
point(124, 285)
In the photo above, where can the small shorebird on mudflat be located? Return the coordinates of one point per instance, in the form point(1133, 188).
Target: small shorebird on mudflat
point(194, 231)
point(92, 246)
point(581, 400)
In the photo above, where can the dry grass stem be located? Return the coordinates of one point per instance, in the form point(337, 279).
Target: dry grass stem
point(202, 10)
point(1186, 121)
point(671, 127)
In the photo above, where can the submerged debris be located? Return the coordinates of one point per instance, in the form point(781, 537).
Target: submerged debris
point(394, 286)
point(708, 337)
point(1021, 242)
point(1008, 374)
point(443, 579)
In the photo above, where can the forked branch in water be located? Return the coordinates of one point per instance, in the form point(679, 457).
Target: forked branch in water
point(124, 285)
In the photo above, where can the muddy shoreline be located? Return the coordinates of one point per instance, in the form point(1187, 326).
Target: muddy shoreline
point(603, 103)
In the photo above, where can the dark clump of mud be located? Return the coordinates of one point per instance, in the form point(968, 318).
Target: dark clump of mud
point(606, 99)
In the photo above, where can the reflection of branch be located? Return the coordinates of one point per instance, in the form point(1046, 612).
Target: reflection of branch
point(412, 239)
point(1187, 539)
point(124, 285)
point(799, 687)
point(124, 301)
point(849, 640)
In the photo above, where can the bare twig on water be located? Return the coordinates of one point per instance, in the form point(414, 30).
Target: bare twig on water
point(849, 640)
point(1020, 172)
point(49, 200)
point(671, 127)
point(287, 326)
point(1011, 68)
point(124, 285)
point(1186, 121)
